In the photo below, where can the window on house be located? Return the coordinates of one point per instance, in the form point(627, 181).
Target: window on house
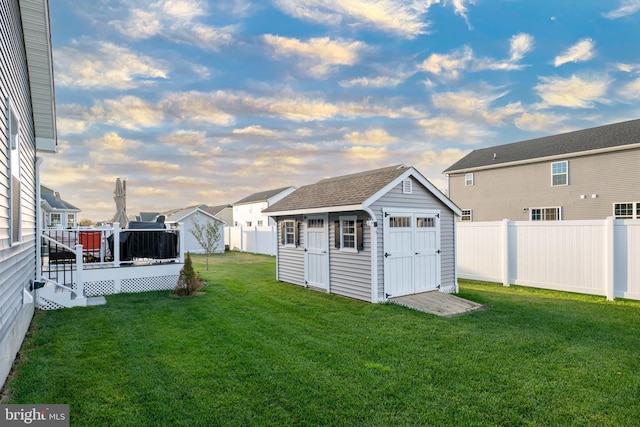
point(289, 233)
point(259, 223)
point(55, 219)
point(248, 223)
point(467, 215)
point(468, 179)
point(71, 220)
point(545, 214)
point(560, 173)
point(348, 233)
point(14, 153)
point(626, 210)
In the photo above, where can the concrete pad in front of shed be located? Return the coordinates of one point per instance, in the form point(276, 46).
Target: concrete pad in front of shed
point(438, 303)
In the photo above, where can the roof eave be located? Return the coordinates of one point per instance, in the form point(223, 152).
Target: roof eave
point(321, 209)
point(544, 159)
point(37, 40)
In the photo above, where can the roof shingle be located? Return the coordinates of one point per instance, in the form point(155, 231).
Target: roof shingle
point(344, 190)
point(608, 136)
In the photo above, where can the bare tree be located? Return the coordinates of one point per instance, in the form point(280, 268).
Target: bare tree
point(207, 235)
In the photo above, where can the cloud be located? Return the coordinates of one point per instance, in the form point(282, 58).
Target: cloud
point(367, 153)
point(471, 103)
point(128, 112)
point(627, 7)
point(452, 129)
point(539, 122)
point(101, 65)
point(157, 167)
point(450, 66)
point(184, 138)
point(404, 18)
point(255, 130)
point(460, 8)
point(380, 81)
point(572, 92)
point(195, 107)
point(318, 56)
point(579, 52)
point(174, 20)
point(375, 136)
point(111, 148)
point(445, 157)
point(631, 90)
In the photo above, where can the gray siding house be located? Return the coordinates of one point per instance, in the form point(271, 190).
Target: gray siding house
point(27, 128)
point(371, 236)
point(586, 174)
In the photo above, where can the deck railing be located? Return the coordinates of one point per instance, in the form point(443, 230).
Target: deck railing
point(67, 253)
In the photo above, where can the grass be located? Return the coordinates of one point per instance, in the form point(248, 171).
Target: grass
point(252, 351)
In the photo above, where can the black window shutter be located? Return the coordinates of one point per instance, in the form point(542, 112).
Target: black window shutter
point(360, 234)
point(336, 234)
point(296, 233)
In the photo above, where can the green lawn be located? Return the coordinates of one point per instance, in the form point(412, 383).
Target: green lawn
point(253, 351)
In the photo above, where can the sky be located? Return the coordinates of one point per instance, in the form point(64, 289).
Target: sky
point(206, 102)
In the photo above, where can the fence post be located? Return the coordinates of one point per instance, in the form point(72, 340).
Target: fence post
point(504, 228)
point(241, 239)
point(255, 239)
point(609, 258)
point(79, 271)
point(181, 238)
point(116, 244)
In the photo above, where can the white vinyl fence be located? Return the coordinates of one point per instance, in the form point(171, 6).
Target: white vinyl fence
point(258, 240)
point(598, 257)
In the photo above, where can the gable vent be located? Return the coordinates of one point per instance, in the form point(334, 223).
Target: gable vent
point(407, 186)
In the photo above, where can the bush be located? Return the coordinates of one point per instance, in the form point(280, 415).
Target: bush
point(188, 280)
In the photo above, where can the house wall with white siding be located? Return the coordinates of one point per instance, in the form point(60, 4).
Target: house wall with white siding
point(17, 259)
point(420, 198)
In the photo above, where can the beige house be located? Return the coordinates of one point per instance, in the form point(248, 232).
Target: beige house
point(586, 174)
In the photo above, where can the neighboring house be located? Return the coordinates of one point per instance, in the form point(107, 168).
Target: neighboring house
point(248, 211)
point(56, 213)
point(586, 174)
point(372, 235)
point(223, 212)
point(188, 216)
point(27, 128)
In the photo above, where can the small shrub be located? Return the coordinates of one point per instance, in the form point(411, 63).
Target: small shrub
point(188, 281)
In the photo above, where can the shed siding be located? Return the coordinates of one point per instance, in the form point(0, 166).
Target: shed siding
point(504, 192)
point(17, 260)
point(350, 273)
point(290, 265)
point(421, 198)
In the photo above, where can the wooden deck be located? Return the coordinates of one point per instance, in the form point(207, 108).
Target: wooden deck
point(438, 303)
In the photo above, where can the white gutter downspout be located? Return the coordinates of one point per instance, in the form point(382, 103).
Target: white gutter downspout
point(38, 222)
point(374, 254)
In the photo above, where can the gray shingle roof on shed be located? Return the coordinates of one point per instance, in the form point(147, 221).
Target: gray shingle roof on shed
point(601, 137)
point(344, 190)
point(261, 196)
point(57, 203)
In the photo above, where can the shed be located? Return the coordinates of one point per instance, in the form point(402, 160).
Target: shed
point(371, 235)
point(190, 215)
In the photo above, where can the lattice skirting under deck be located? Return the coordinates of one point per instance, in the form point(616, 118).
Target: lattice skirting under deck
point(158, 283)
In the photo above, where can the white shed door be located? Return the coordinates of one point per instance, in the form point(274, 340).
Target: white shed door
point(411, 252)
point(316, 258)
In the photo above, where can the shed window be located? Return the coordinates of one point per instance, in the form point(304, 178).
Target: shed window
point(400, 222)
point(349, 234)
point(425, 222)
point(467, 215)
point(289, 233)
point(560, 173)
